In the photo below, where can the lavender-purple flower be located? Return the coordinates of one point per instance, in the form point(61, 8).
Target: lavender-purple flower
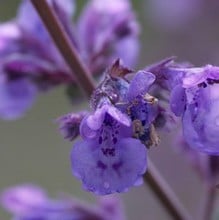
point(105, 29)
point(30, 202)
point(108, 159)
point(30, 61)
point(194, 96)
point(111, 157)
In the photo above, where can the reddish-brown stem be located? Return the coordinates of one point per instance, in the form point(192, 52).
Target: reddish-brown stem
point(153, 178)
point(61, 39)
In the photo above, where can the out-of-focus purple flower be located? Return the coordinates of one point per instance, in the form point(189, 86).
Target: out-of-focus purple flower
point(24, 200)
point(105, 29)
point(28, 52)
point(16, 97)
point(30, 61)
point(29, 202)
point(36, 34)
point(112, 207)
point(108, 159)
point(171, 14)
point(10, 34)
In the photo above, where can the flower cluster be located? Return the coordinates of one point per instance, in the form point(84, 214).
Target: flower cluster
point(30, 61)
point(30, 202)
point(111, 157)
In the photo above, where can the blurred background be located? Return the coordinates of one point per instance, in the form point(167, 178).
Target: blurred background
point(33, 151)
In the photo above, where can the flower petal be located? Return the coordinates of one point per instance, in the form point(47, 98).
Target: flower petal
point(178, 100)
point(16, 98)
point(106, 174)
point(140, 84)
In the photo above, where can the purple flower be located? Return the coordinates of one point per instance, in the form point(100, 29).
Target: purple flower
point(105, 29)
point(29, 202)
point(10, 34)
point(108, 159)
point(36, 34)
point(111, 157)
point(70, 123)
point(30, 61)
point(141, 107)
point(201, 116)
point(112, 207)
point(24, 200)
point(194, 97)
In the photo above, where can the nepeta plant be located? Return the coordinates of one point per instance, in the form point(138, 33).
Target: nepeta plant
point(42, 48)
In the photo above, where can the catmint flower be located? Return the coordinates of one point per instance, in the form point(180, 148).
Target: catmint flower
point(108, 159)
point(193, 96)
point(111, 155)
point(105, 29)
point(29, 202)
point(200, 99)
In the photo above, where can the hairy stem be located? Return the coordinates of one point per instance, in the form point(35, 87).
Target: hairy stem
point(153, 178)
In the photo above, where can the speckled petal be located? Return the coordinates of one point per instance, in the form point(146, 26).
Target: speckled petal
point(140, 84)
point(178, 100)
point(106, 174)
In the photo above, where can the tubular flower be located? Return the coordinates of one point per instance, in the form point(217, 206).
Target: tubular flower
point(111, 156)
point(105, 29)
point(108, 159)
point(201, 116)
point(194, 97)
